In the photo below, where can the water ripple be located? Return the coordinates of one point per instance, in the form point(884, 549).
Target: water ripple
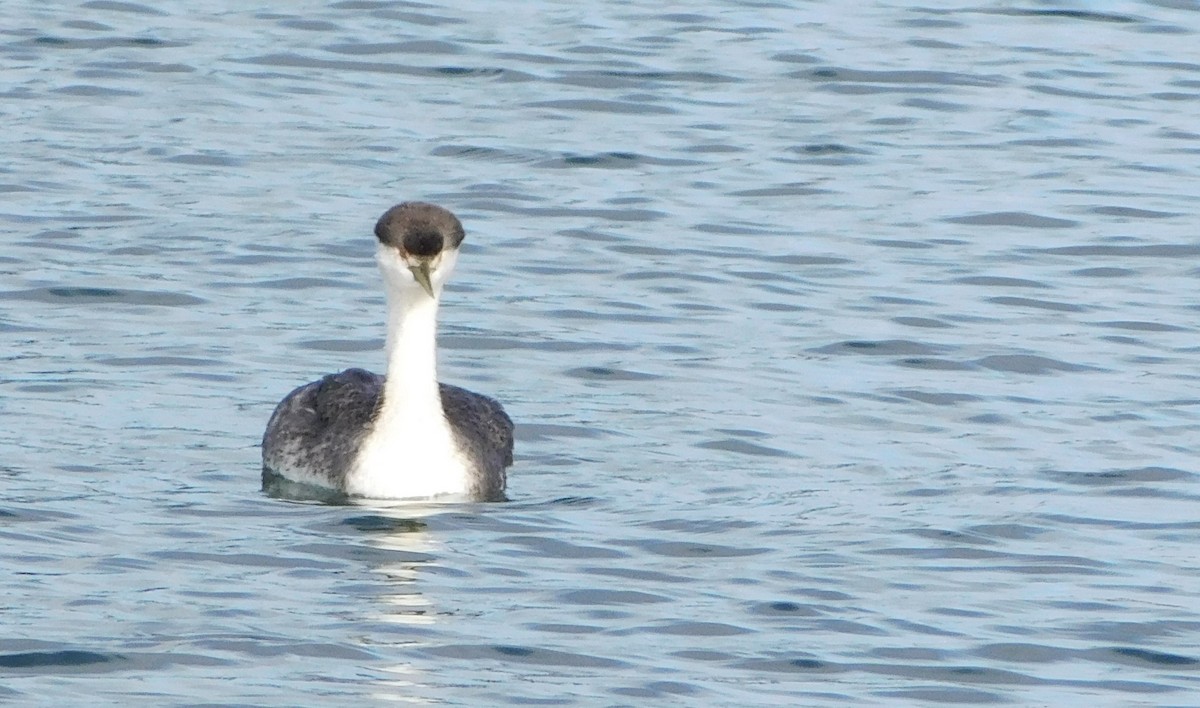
point(850, 352)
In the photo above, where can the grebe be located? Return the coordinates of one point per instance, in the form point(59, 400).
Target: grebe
point(402, 435)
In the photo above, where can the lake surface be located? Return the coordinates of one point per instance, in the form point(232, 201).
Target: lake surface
point(852, 351)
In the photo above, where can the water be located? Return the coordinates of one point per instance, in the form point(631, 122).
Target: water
point(852, 351)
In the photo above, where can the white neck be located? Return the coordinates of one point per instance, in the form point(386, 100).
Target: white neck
point(411, 381)
point(410, 450)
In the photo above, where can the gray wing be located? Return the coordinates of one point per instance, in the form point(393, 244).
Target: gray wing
point(316, 430)
point(485, 432)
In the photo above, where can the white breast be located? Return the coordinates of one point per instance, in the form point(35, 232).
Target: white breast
point(409, 455)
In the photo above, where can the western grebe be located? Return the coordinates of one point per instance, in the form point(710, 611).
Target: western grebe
point(402, 435)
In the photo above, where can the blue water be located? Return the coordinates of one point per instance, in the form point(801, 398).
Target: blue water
point(852, 351)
